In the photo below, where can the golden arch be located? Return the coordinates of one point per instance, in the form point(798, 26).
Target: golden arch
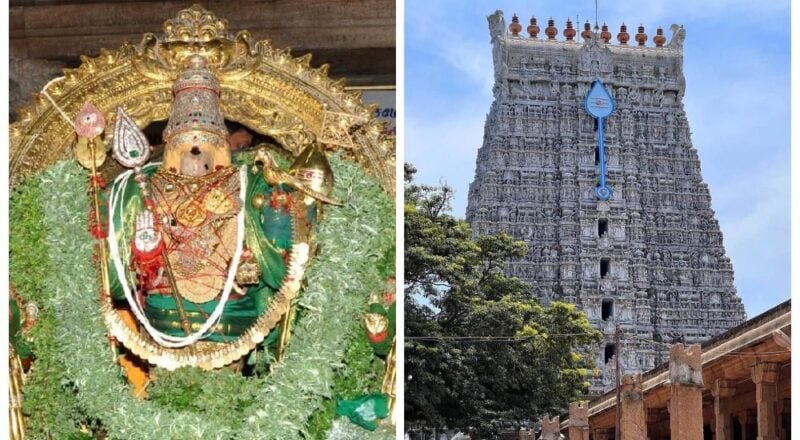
point(263, 88)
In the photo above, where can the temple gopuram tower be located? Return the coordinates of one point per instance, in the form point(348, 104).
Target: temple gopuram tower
point(650, 259)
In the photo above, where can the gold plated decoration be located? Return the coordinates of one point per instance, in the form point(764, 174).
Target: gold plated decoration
point(312, 168)
point(389, 385)
point(298, 178)
point(15, 382)
point(336, 128)
point(263, 88)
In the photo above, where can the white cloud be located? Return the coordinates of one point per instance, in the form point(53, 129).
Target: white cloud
point(444, 150)
point(467, 53)
point(753, 211)
point(655, 12)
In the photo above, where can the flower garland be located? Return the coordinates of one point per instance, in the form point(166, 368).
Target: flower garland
point(354, 238)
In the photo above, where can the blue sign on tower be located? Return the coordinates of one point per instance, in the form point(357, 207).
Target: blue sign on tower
point(599, 104)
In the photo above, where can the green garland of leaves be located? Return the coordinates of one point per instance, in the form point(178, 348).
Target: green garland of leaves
point(361, 374)
point(55, 269)
point(49, 402)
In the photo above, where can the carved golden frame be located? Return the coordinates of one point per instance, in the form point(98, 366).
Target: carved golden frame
point(263, 88)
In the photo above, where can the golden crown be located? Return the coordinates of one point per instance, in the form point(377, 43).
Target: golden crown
point(196, 104)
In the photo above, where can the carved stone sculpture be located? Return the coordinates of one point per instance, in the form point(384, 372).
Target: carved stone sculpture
point(643, 238)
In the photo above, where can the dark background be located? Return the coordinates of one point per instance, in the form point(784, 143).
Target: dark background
point(356, 37)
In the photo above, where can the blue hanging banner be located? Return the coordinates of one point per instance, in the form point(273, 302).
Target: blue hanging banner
point(599, 104)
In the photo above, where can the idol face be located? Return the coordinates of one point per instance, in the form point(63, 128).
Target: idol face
point(196, 153)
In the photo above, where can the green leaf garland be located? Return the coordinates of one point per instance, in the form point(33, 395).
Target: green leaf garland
point(76, 384)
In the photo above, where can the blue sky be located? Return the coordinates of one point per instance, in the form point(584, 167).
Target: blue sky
point(736, 63)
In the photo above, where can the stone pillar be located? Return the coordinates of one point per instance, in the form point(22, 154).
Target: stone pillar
point(722, 391)
point(686, 392)
point(765, 376)
point(786, 419)
point(603, 434)
point(747, 419)
point(633, 421)
point(655, 428)
point(551, 429)
point(578, 421)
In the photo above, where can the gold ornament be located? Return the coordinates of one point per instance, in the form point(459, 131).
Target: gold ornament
point(313, 169)
point(258, 201)
point(338, 128)
point(191, 214)
point(389, 385)
point(197, 260)
point(248, 273)
point(375, 323)
point(275, 176)
point(217, 202)
point(16, 378)
point(91, 153)
point(375, 298)
point(209, 357)
point(262, 87)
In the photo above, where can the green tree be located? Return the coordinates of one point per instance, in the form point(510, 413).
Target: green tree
point(481, 354)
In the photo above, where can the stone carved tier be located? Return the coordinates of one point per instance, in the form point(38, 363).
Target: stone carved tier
point(666, 276)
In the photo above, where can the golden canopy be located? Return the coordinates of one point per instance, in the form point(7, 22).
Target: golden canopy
point(263, 88)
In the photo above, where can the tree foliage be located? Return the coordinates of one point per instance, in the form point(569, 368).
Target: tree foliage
point(456, 290)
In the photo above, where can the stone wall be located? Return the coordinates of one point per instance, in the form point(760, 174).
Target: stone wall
point(27, 76)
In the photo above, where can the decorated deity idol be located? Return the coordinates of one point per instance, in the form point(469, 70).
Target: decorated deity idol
point(202, 250)
point(167, 275)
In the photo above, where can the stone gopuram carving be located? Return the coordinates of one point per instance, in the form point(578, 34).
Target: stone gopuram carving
point(649, 260)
